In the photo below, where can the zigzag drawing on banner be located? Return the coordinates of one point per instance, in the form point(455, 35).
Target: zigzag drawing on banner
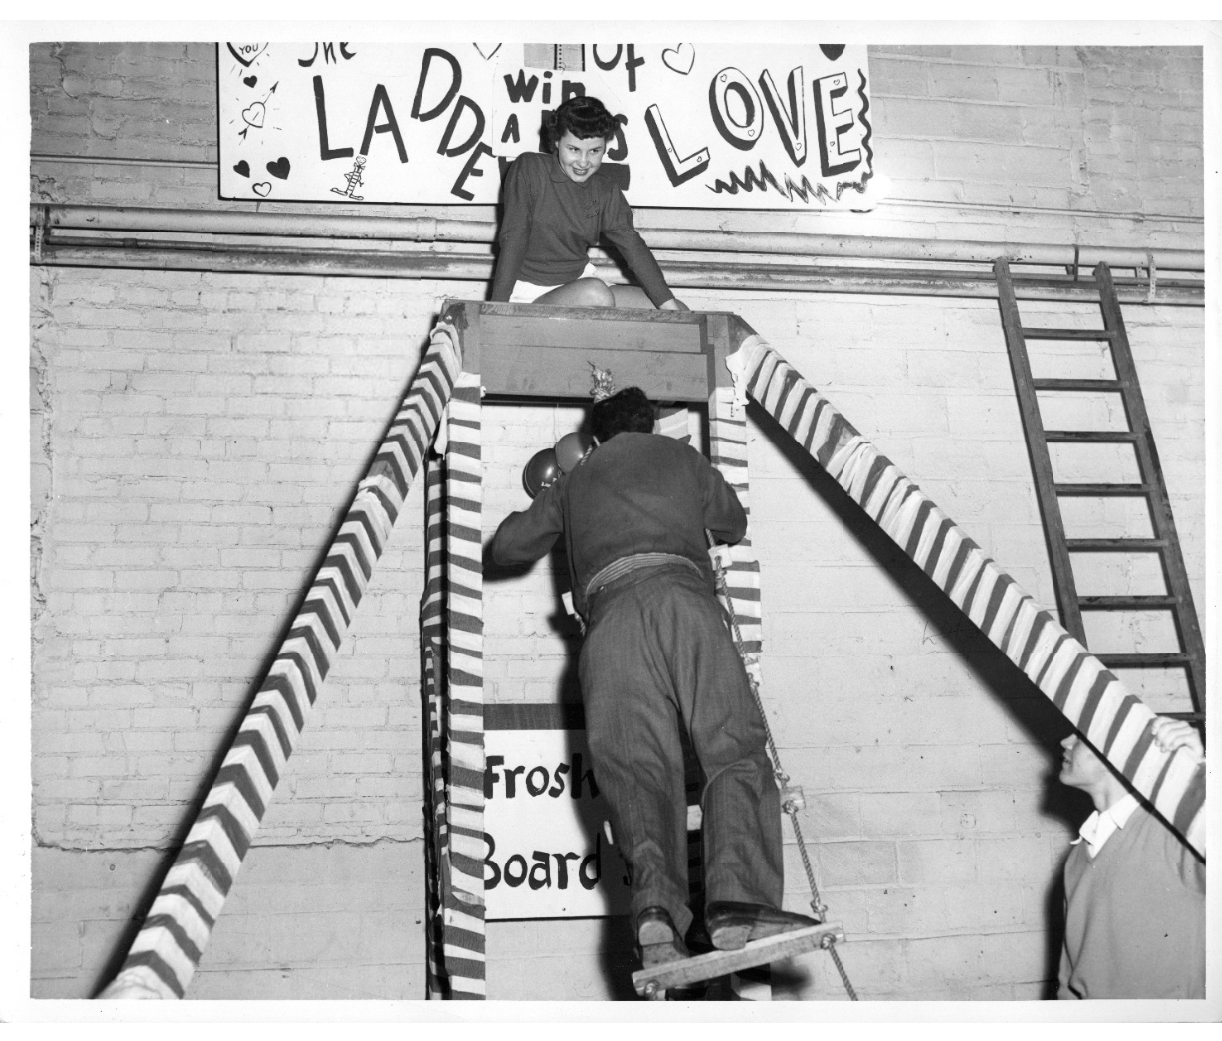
point(865, 138)
point(860, 186)
point(750, 181)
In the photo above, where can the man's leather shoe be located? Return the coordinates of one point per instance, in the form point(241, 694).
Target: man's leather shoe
point(657, 939)
point(733, 924)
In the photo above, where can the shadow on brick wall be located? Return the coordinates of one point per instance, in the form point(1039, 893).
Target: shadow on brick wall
point(1030, 709)
point(191, 810)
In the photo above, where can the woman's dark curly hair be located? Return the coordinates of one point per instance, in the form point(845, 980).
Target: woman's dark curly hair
point(582, 117)
point(628, 412)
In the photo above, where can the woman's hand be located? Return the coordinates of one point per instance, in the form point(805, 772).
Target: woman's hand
point(673, 305)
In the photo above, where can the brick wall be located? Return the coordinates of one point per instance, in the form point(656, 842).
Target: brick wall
point(1089, 128)
point(1046, 143)
point(196, 436)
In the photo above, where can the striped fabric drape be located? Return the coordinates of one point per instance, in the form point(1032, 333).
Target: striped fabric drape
point(166, 952)
point(1113, 720)
point(728, 452)
point(432, 678)
point(462, 699)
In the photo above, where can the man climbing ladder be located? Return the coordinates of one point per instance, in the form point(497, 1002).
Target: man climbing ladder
point(658, 656)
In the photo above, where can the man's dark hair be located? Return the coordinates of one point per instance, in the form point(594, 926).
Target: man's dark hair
point(628, 412)
point(582, 117)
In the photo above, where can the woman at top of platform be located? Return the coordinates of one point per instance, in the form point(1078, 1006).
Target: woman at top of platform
point(556, 206)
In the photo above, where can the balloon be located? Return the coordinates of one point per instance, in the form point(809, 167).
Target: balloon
point(540, 472)
point(569, 450)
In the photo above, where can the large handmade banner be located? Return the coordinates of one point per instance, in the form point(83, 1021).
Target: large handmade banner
point(699, 125)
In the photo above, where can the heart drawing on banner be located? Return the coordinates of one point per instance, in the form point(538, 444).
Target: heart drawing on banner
point(246, 52)
point(486, 50)
point(280, 168)
point(679, 59)
point(262, 188)
point(832, 50)
point(242, 168)
point(250, 81)
point(255, 114)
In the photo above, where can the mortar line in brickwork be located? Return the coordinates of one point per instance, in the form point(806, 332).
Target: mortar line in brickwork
point(119, 160)
point(384, 840)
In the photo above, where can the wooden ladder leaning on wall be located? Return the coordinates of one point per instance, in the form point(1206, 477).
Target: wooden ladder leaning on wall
point(1150, 487)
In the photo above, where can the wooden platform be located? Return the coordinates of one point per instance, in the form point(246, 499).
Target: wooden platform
point(538, 351)
point(651, 983)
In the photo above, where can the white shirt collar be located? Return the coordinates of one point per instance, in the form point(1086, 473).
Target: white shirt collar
point(1099, 826)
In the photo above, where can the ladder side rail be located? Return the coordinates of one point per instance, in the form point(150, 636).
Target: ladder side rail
point(1041, 460)
point(1094, 700)
point(1159, 501)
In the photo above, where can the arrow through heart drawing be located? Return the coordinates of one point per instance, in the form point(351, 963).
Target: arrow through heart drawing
point(255, 113)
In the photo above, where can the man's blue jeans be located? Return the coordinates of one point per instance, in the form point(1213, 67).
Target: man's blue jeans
point(658, 655)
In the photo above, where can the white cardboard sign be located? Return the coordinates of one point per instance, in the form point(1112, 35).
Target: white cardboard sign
point(546, 854)
point(700, 125)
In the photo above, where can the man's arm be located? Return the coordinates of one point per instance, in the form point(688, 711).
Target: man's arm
point(724, 515)
point(529, 534)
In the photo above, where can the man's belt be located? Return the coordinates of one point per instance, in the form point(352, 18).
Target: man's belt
point(619, 568)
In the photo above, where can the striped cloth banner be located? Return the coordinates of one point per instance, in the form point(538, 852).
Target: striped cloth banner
point(1113, 720)
point(672, 422)
point(728, 452)
point(166, 952)
point(462, 702)
point(432, 678)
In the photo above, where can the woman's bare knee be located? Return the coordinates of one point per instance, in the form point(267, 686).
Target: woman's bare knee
point(595, 293)
point(581, 292)
point(631, 296)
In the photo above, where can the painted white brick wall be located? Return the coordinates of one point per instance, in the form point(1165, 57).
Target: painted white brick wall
point(195, 437)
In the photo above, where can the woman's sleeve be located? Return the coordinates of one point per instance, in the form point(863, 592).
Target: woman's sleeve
point(617, 226)
point(516, 197)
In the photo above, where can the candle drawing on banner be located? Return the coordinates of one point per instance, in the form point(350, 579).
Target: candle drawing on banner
point(547, 854)
point(709, 125)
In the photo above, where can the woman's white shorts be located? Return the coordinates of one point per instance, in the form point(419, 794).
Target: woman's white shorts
point(528, 292)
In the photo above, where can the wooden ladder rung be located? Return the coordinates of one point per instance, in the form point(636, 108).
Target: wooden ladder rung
point(1133, 602)
point(1107, 436)
point(1066, 334)
point(1144, 661)
point(682, 973)
point(1149, 486)
point(1114, 545)
point(1101, 489)
point(1068, 384)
